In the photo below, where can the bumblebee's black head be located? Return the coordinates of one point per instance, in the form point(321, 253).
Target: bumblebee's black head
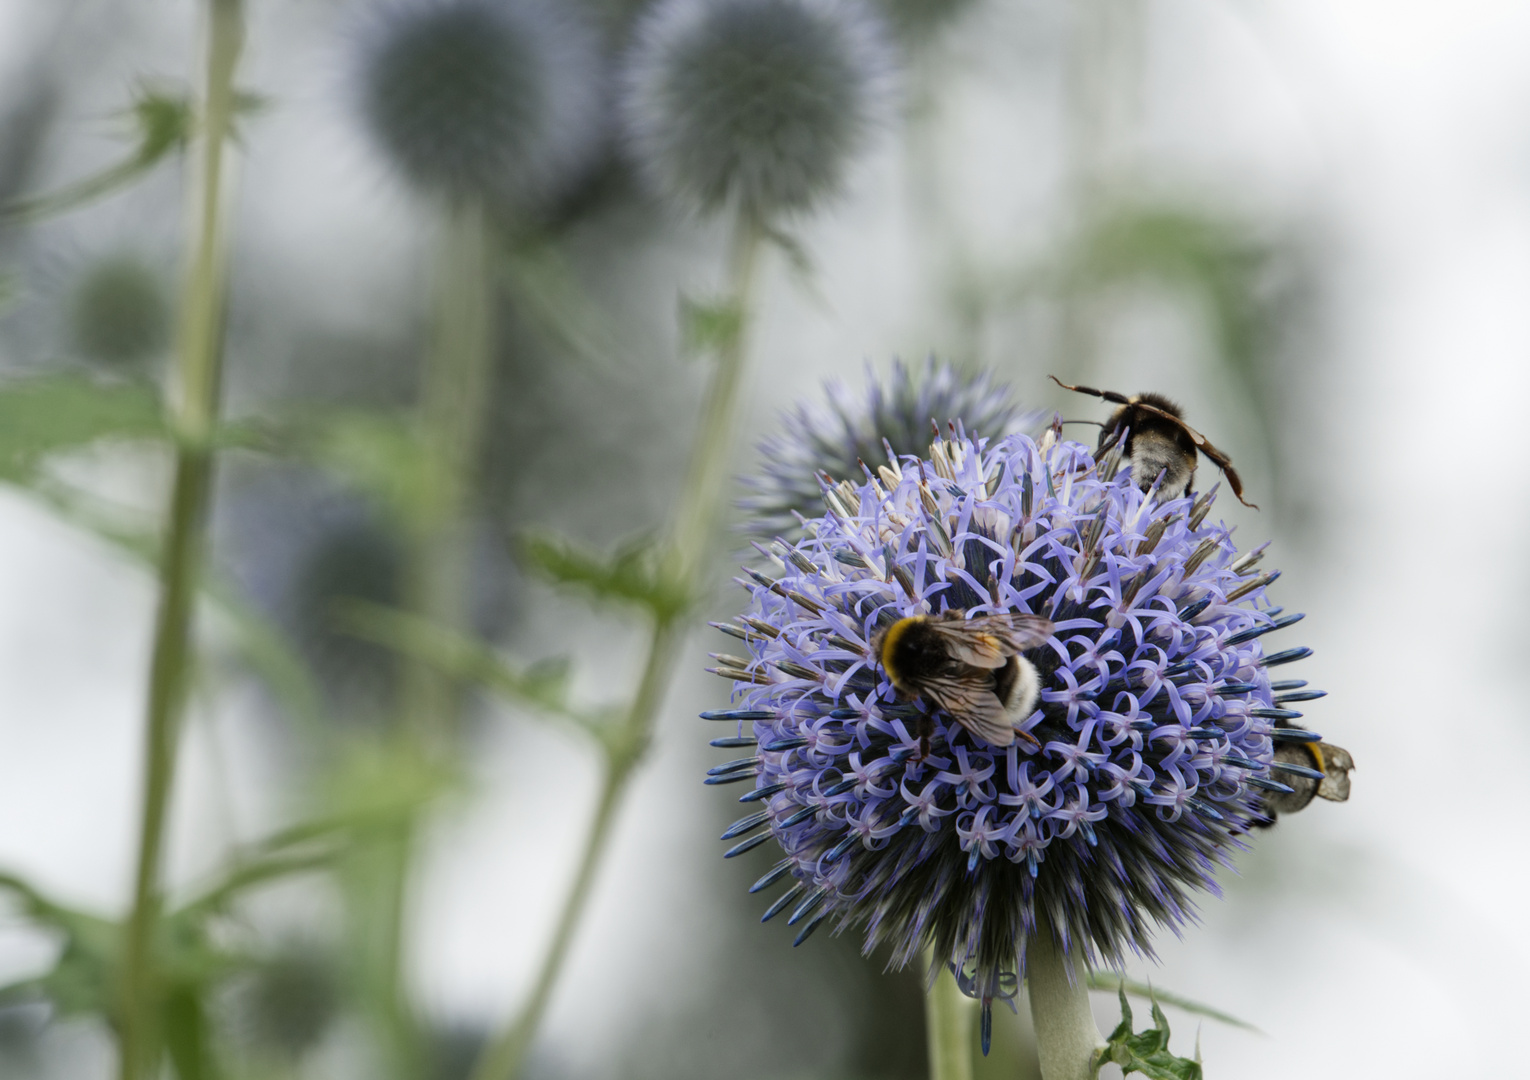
point(911, 650)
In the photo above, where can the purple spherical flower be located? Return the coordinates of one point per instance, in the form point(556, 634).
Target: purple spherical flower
point(1145, 760)
point(860, 427)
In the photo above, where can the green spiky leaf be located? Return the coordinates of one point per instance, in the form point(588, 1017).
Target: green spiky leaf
point(1146, 1051)
point(636, 573)
point(384, 457)
point(42, 416)
point(1101, 980)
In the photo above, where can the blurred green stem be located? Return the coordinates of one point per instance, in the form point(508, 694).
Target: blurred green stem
point(627, 742)
point(1066, 1036)
point(195, 413)
point(948, 1015)
point(453, 404)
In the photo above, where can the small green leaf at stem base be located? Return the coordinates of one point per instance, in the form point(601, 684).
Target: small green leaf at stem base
point(1146, 1051)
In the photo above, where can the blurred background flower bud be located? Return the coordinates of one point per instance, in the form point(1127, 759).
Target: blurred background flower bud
point(119, 315)
point(288, 1002)
point(758, 103)
point(494, 99)
point(914, 19)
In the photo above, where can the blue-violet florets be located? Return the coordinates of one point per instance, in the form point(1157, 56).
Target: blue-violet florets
point(1156, 724)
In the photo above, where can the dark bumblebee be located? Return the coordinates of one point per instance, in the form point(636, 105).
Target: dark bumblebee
point(970, 668)
point(1159, 441)
point(1332, 761)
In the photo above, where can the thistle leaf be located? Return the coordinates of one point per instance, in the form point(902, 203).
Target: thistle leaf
point(1146, 1051)
point(42, 416)
point(636, 573)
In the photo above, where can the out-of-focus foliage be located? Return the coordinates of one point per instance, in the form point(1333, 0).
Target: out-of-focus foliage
point(44, 416)
point(161, 123)
point(635, 573)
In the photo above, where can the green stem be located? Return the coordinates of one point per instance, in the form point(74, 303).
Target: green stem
point(452, 409)
point(504, 1057)
point(78, 193)
point(453, 402)
point(198, 372)
point(702, 495)
point(948, 1015)
point(624, 746)
point(1058, 986)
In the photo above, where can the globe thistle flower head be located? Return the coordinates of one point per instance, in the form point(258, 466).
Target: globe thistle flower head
point(1146, 757)
point(757, 104)
point(888, 420)
point(119, 315)
point(498, 100)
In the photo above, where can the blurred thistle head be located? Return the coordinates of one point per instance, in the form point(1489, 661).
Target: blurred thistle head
point(289, 1002)
point(915, 19)
point(352, 559)
point(500, 100)
point(854, 428)
point(755, 104)
point(119, 314)
point(1140, 757)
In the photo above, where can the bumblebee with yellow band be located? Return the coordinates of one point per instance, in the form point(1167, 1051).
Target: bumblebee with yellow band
point(971, 668)
point(1332, 761)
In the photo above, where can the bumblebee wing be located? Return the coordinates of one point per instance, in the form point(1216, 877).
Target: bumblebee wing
point(1027, 631)
point(970, 701)
point(988, 641)
point(973, 643)
point(1336, 765)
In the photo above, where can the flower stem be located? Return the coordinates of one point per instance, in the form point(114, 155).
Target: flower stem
point(626, 744)
point(453, 403)
point(1058, 986)
point(702, 494)
point(948, 1017)
point(195, 413)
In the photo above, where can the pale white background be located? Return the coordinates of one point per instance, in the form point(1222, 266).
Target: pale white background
point(1383, 937)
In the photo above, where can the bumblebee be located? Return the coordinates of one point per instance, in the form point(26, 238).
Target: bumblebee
point(971, 668)
point(1159, 441)
point(1332, 761)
